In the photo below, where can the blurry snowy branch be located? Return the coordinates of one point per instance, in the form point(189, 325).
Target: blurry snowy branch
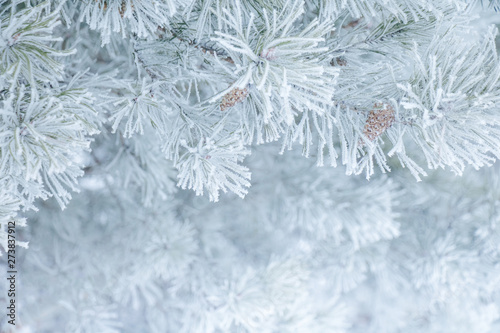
point(280, 102)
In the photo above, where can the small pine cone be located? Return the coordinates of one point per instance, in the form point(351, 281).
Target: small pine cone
point(233, 97)
point(379, 119)
point(339, 61)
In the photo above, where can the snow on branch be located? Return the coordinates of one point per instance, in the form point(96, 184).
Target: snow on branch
point(42, 135)
point(212, 165)
point(25, 38)
point(404, 10)
point(452, 101)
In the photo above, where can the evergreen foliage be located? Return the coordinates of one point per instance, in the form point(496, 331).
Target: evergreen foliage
point(251, 165)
